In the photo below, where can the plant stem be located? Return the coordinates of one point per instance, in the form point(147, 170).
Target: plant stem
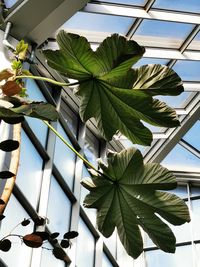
point(76, 152)
point(45, 79)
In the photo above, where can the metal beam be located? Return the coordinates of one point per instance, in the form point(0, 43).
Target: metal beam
point(36, 20)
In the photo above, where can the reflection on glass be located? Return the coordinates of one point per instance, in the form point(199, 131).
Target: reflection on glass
point(85, 246)
point(157, 33)
point(182, 257)
point(195, 191)
point(59, 209)
point(193, 135)
point(91, 213)
point(38, 127)
point(182, 5)
point(188, 70)
point(105, 261)
point(181, 159)
point(48, 259)
point(29, 175)
point(196, 218)
point(19, 255)
point(83, 21)
point(64, 158)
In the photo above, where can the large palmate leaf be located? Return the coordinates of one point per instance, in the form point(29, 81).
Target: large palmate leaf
point(116, 95)
point(126, 197)
point(19, 107)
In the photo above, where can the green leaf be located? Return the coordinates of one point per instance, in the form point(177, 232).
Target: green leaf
point(107, 89)
point(21, 50)
point(40, 110)
point(157, 80)
point(126, 196)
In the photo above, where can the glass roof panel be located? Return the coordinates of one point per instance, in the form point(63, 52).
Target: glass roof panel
point(181, 159)
point(193, 136)
point(146, 61)
point(195, 44)
point(10, 3)
point(83, 21)
point(181, 5)
point(189, 70)
point(128, 2)
point(179, 101)
point(156, 33)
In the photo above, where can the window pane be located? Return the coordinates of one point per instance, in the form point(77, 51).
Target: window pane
point(91, 213)
point(19, 255)
point(103, 23)
point(105, 261)
point(70, 118)
point(49, 260)
point(182, 160)
point(182, 257)
point(195, 44)
point(157, 33)
point(182, 5)
point(111, 243)
point(195, 191)
point(85, 246)
point(147, 61)
point(176, 101)
point(38, 127)
point(193, 136)
point(29, 175)
point(10, 3)
point(188, 70)
point(59, 209)
point(196, 218)
point(64, 158)
point(128, 2)
point(91, 148)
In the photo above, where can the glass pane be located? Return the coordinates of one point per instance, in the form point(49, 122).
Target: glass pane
point(147, 61)
point(59, 209)
point(19, 255)
point(197, 253)
point(182, 257)
point(70, 118)
point(105, 261)
point(111, 243)
point(91, 213)
point(37, 126)
point(48, 259)
point(91, 148)
point(64, 158)
point(29, 175)
point(129, 2)
point(85, 246)
point(10, 3)
point(103, 23)
point(195, 44)
point(196, 218)
point(175, 101)
point(180, 191)
point(123, 257)
point(188, 70)
point(181, 159)
point(157, 33)
point(193, 136)
point(182, 5)
point(195, 191)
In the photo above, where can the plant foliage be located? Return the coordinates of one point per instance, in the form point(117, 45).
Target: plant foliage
point(126, 196)
point(111, 91)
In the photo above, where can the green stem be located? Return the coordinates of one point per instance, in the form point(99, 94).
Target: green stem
point(70, 146)
point(45, 79)
point(75, 151)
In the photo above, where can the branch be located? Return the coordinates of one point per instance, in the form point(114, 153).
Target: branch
point(14, 164)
